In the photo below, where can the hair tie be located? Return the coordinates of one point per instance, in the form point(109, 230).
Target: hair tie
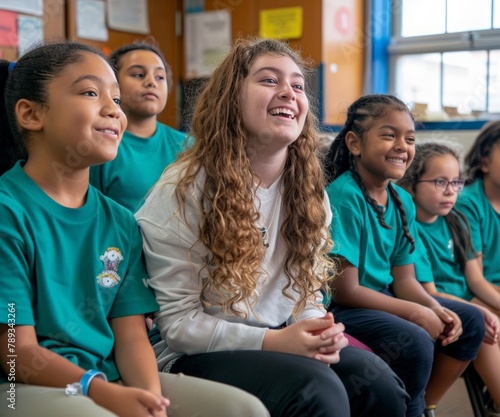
point(11, 66)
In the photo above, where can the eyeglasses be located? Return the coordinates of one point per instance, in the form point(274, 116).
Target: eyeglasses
point(442, 184)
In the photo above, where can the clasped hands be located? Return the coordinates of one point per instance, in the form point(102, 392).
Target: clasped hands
point(319, 338)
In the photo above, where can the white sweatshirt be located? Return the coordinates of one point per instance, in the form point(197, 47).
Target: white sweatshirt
point(176, 265)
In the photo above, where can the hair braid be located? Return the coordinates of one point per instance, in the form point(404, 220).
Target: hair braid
point(462, 242)
point(378, 210)
point(402, 213)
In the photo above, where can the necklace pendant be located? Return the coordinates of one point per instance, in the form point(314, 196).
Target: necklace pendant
point(265, 236)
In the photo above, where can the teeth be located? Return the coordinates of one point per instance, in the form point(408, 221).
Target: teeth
point(395, 159)
point(108, 131)
point(282, 110)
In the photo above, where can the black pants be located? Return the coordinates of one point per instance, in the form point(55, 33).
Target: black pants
point(360, 385)
point(408, 348)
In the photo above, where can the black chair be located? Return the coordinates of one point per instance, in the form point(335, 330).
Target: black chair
point(477, 391)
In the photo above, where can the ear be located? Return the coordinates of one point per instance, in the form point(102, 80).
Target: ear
point(29, 115)
point(353, 143)
point(484, 166)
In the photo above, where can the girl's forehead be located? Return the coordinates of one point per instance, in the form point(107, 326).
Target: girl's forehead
point(89, 66)
point(275, 61)
point(141, 56)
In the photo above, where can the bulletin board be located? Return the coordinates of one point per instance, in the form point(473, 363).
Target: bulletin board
point(53, 26)
point(162, 16)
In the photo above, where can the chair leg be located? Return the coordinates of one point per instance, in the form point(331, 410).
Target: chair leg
point(475, 389)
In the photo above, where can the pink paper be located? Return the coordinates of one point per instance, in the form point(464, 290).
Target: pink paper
point(8, 29)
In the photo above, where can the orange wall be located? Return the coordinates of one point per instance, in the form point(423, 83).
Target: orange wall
point(343, 56)
point(333, 35)
point(162, 15)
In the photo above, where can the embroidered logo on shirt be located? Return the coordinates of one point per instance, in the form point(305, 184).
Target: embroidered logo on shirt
point(109, 277)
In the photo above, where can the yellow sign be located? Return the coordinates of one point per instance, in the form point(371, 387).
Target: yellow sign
point(284, 23)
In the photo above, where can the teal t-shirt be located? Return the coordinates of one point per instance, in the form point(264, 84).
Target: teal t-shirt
point(485, 227)
point(445, 270)
point(139, 164)
point(67, 271)
point(359, 237)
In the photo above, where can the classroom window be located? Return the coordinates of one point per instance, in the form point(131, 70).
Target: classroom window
point(444, 57)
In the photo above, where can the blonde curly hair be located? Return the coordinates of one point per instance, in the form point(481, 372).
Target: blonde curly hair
point(228, 220)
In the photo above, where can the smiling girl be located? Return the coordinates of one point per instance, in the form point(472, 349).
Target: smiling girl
point(236, 242)
point(377, 295)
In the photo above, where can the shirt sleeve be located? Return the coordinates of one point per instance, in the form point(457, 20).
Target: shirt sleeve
point(16, 286)
point(176, 260)
point(346, 233)
point(423, 267)
point(473, 214)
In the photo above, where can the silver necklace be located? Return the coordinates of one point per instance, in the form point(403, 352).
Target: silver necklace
point(265, 229)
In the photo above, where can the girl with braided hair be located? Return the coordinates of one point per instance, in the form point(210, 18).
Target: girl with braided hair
point(377, 296)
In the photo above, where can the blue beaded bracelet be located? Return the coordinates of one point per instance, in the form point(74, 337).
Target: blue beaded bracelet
point(87, 378)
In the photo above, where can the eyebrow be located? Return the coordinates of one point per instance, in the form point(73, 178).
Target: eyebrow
point(388, 126)
point(91, 77)
point(143, 67)
point(274, 69)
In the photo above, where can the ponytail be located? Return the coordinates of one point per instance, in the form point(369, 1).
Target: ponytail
point(11, 150)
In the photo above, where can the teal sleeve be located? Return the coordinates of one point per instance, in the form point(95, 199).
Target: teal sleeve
point(15, 283)
point(423, 267)
point(473, 214)
point(346, 232)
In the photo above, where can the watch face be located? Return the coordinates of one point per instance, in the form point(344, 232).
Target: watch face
point(73, 389)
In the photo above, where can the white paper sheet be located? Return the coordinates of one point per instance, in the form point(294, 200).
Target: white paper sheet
point(128, 15)
point(208, 39)
point(29, 32)
point(24, 6)
point(91, 20)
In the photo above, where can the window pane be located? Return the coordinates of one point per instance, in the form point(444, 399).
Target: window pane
point(468, 15)
point(496, 14)
point(416, 19)
point(417, 80)
point(494, 85)
point(464, 81)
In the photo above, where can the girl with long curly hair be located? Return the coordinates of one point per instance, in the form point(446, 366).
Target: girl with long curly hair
point(236, 242)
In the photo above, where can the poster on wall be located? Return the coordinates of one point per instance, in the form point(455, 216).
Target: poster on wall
point(207, 41)
point(90, 22)
point(282, 23)
point(128, 16)
point(8, 29)
point(34, 7)
point(29, 31)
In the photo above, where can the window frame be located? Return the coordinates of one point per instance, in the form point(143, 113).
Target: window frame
point(470, 40)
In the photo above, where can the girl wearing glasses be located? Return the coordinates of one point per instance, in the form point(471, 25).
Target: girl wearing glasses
point(427, 341)
point(451, 268)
